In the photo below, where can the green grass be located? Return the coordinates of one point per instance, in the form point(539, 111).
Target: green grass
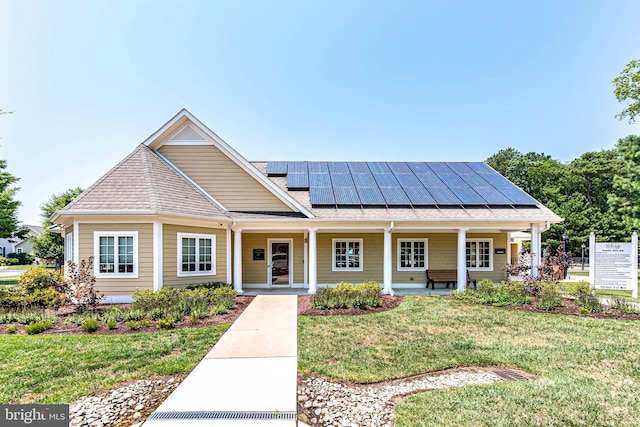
point(30, 267)
point(9, 280)
point(60, 369)
point(589, 369)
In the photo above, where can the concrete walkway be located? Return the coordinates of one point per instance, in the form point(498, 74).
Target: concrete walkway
point(249, 378)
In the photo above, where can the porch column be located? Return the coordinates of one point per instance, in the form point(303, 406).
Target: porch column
point(229, 256)
point(462, 259)
point(387, 263)
point(237, 260)
point(536, 249)
point(313, 262)
point(157, 255)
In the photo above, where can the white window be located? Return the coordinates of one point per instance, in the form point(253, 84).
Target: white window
point(196, 254)
point(116, 254)
point(19, 250)
point(479, 254)
point(412, 255)
point(68, 247)
point(347, 255)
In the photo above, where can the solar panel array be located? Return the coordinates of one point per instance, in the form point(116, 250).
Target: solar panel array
point(400, 184)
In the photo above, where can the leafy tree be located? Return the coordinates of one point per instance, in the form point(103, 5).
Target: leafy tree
point(593, 174)
point(627, 90)
point(627, 186)
point(51, 245)
point(9, 225)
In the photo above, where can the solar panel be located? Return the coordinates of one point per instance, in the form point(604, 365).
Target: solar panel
point(480, 167)
point(394, 196)
point(399, 168)
point(342, 180)
point(386, 180)
point(318, 167)
point(364, 180)
point(497, 180)
point(430, 180)
point(297, 181)
point(359, 167)
point(379, 167)
point(338, 167)
point(322, 196)
point(346, 196)
point(319, 180)
point(419, 196)
point(444, 196)
point(277, 168)
point(492, 196)
point(439, 167)
point(370, 195)
point(459, 167)
point(419, 167)
point(408, 180)
point(452, 180)
point(517, 196)
point(468, 196)
point(297, 167)
point(474, 180)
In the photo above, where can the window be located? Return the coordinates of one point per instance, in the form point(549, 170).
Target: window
point(68, 247)
point(196, 254)
point(412, 255)
point(19, 250)
point(347, 255)
point(116, 254)
point(479, 254)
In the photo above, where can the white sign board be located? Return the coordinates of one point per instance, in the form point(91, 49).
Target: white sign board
point(614, 266)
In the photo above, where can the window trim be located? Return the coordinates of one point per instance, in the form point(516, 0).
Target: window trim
point(426, 254)
point(68, 247)
point(480, 239)
point(96, 254)
point(196, 236)
point(333, 255)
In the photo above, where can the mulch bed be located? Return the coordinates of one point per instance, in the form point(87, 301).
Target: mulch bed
point(304, 307)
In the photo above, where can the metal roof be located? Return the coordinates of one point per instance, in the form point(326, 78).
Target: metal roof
point(414, 184)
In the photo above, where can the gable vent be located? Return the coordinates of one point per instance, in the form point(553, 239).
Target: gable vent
point(188, 134)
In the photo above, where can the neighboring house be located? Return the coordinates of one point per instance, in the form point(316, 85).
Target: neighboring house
point(185, 207)
point(8, 246)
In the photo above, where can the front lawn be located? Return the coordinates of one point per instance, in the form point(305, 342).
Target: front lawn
point(9, 280)
point(589, 368)
point(60, 369)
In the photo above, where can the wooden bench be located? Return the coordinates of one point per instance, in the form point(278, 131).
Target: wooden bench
point(446, 276)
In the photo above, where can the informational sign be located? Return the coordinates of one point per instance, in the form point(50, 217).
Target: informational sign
point(258, 254)
point(614, 266)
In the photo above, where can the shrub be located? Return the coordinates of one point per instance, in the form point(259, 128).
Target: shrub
point(45, 297)
point(580, 288)
point(148, 299)
point(165, 323)
point(12, 329)
point(498, 294)
point(113, 314)
point(90, 325)
point(23, 258)
point(196, 315)
point(133, 314)
point(549, 297)
point(38, 327)
point(112, 324)
point(348, 295)
point(624, 306)
point(209, 285)
point(133, 325)
point(8, 261)
point(25, 316)
point(589, 302)
point(219, 309)
point(80, 318)
point(38, 278)
point(79, 287)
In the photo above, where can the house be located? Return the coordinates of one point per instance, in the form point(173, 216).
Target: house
point(18, 246)
point(184, 207)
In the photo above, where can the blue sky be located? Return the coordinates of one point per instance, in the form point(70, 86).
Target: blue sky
point(307, 80)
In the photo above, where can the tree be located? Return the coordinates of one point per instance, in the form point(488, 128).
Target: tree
point(51, 245)
point(9, 225)
point(627, 90)
point(626, 187)
point(593, 174)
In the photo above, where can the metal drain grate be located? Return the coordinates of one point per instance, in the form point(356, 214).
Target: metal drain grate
point(222, 415)
point(510, 375)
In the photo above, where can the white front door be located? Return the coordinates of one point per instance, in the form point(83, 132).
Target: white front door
point(279, 266)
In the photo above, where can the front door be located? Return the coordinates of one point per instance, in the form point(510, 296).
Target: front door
point(280, 273)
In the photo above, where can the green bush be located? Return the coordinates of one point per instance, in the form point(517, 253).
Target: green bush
point(148, 299)
point(112, 324)
point(90, 325)
point(589, 302)
point(580, 288)
point(165, 323)
point(38, 278)
point(113, 314)
point(173, 303)
point(133, 314)
point(549, 297)
point(8, 261)
point(624, 306)
point(498, 294)
point(45, 297)
point(79, 318)
point(133, 325)
point(25, 315)
point(348, 295)
point(38, 327)
point(12, 329)
point(23, 258)
point(209, 285)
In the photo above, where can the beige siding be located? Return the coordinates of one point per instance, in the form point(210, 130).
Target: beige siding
point(372, 259)
point(222, 178)
point(442, 249)
point(123, 286)
point(256, 272)
point(170, 255)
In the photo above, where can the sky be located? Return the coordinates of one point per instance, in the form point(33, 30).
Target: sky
point(87, 81)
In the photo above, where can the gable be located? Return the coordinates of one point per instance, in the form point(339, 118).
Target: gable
point(221, 177)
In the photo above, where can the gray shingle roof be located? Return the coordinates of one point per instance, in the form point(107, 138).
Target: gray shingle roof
point(144, 183)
